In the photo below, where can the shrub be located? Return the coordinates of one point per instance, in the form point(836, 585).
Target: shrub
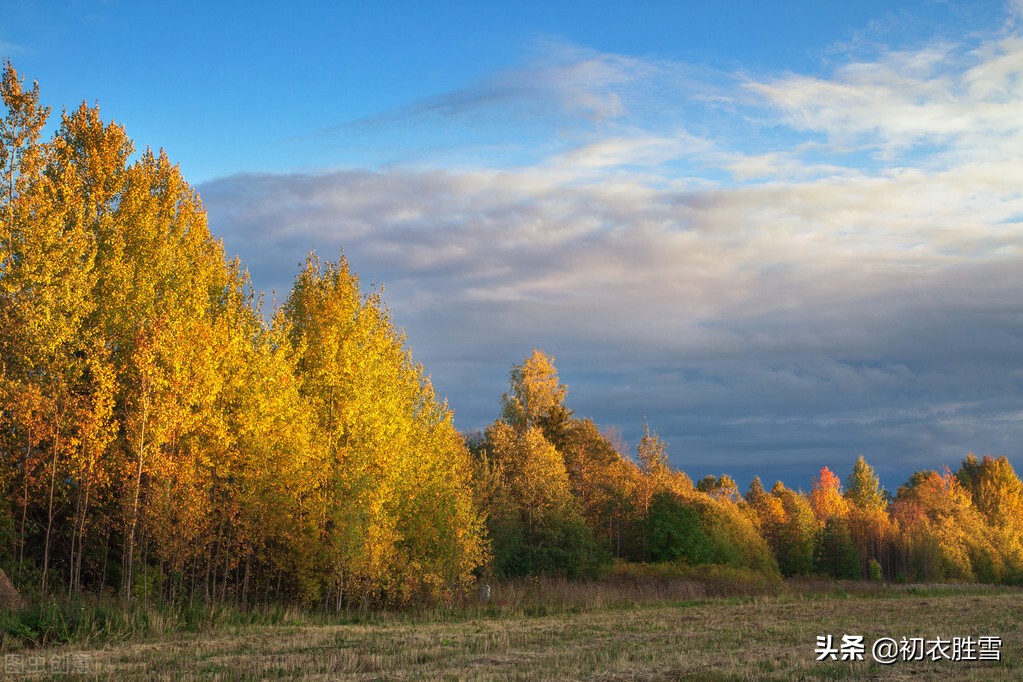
point(874, 570)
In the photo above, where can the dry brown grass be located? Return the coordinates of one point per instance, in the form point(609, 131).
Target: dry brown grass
point(759, 638)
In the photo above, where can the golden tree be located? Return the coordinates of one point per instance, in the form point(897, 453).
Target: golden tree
point(390, 454)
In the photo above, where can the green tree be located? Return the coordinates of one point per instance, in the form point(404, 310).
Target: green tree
point(836, 554)
point(867, 518)
point(676, 531)
point(863, 489)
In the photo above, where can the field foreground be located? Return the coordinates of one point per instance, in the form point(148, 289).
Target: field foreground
point(763, 638)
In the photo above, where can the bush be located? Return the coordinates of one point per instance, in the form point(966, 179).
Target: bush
point(732, 581)
point(630, 571)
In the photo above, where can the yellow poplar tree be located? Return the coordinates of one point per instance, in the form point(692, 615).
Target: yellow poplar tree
point(389, 452)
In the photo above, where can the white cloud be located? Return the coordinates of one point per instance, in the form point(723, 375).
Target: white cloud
point(940, 95)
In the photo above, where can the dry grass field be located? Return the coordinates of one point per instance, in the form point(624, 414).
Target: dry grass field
point(767, 637)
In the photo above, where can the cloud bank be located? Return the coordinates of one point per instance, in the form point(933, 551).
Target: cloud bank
point(779, 272)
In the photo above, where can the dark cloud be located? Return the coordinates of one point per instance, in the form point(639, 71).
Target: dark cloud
point(749, 348)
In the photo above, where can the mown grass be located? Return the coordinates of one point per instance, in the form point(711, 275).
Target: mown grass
point(91, 619)
point(609, 630)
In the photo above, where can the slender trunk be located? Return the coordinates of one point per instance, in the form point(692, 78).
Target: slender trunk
point(245, 580)
point(106, 560)
point(211, 565)
point(227, 574)
point(84, 491)
point(74, 537)
point(49, 513)
point(211, 580)
point(129, 535)
point(237, 581)
point(257, 577)
point(145, 572)
point(10, 197)
point(618, 536)
point(211, 548)
point(340, 587)
point(24, 499)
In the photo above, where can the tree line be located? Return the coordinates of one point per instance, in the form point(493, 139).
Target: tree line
point(561, 498)
point(163, 436)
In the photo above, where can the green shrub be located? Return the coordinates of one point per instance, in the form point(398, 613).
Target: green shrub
point(734, 581)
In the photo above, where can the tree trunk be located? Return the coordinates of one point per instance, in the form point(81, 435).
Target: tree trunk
point(340, 587)
point(245, 580)
point(84, 491)
point(24, 499)
point(129, 535)
point(49, 513)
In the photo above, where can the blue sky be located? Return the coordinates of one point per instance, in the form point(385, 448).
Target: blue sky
point(786, 233)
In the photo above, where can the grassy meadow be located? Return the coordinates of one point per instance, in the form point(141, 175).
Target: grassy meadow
point(539, 630)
